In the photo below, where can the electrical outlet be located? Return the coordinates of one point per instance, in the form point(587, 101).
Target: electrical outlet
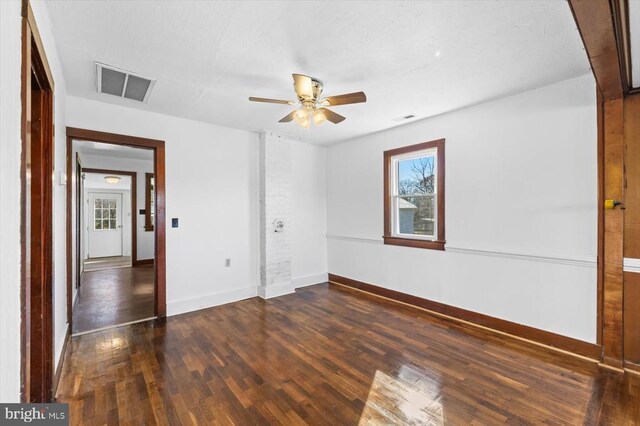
point(227, 263)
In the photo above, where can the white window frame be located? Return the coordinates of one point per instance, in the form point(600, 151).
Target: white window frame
point(103, 209)
point(394, 189)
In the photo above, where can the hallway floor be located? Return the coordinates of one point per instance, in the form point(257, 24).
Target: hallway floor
point(102, 263)
point(330, 355)
point(114, 296)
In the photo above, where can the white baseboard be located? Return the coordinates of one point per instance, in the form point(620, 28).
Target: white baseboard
point(275, 290)
point(310, 280)
point(60, 347)
point(206, 301)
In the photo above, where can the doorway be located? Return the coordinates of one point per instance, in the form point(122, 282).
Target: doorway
point(36, 216)
point(105, 237)
point(119, 260)
point(106, 204)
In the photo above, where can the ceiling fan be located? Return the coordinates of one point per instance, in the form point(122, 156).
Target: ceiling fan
point(311, 106)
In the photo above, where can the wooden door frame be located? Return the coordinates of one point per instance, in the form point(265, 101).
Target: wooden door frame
point(603, 27)
point(158, 147)
point(36, 218)
point(134, 205)
point(79, 190)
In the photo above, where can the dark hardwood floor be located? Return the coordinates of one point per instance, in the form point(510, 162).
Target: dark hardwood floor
point(114, 296)
point(330, 355)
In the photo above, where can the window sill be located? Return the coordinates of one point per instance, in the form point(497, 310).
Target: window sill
point(412, 242)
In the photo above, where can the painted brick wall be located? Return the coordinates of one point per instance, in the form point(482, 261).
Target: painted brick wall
point(275, 203)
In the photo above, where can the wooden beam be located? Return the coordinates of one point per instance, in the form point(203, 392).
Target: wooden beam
point(612, 338)
point(595, 20)
point(632, 228)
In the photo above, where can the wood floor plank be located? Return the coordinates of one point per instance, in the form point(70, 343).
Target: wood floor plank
point(329, 355)
point(114, 296)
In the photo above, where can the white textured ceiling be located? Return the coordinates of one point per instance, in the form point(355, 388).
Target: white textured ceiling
point(110, 150)
point(96, 181)
point(419, 57)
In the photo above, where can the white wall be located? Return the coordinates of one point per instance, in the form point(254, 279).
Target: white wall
point(521, 190)
point(211, 186)
point(308, 214)
point(145, 239)
point(10, 147)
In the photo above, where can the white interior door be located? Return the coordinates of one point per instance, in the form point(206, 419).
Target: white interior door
point(105, 225)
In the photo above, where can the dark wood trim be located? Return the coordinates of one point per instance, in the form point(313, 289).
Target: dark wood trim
point(134, 205)
point(620, 15)
point(612, 315)
point(631, 295)
point(158, 147)
point(600, 207)
point(160, 233)
point(596, 26)
point(63, 355)
point(388, 236)
point(36, 227)
point(414, 242)
point(43, 70)
point(634, 91)
point(603, 26)
point(69, 234)
point(79, 193)
point(564, 343)
point(632, 367)
point(144, 262)
point(113, 138)
point(148, 222)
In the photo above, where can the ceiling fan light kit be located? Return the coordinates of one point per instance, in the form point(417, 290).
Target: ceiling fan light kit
point(310, 106)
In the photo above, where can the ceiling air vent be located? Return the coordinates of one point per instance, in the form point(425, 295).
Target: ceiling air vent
point(122, 83)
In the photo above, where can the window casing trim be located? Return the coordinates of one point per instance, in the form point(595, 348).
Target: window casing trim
point(395, 195)
point(392, 237)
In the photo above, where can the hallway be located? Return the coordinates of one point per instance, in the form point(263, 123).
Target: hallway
point(114, 296)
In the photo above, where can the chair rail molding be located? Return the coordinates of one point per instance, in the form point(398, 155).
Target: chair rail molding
point(631, 265)
point(585, 260)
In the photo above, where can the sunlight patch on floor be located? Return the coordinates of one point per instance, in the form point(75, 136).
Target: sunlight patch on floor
point(403, 400)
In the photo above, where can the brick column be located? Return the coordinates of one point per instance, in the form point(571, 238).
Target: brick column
point(275, 204)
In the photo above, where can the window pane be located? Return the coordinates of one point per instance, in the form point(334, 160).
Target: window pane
point(98, 224)
point(112, 224)
point(97, 203)
point(416, 215)
point(112, 213)
point(112, 204)
point(98, 213)
point(105, 223)
point(416, 175)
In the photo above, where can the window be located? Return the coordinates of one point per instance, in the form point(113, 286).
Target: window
point(104, 214)
point(414, 196)
point(149, 200)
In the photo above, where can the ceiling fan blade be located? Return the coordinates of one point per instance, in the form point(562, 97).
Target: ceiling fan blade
point(303, 86)
point(349, 98)
point(271, 101)
point(287, 118)
point(332, 116)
